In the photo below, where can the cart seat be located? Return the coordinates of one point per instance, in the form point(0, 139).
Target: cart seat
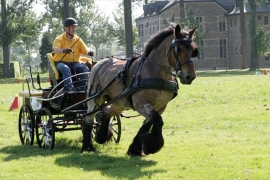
point(53, 72)
point(55, 76)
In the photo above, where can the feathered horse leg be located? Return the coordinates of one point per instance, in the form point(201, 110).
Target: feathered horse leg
point(87, 138)
point(135, 149)
point(149, 139)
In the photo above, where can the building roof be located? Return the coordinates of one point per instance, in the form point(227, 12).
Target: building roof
point(264, 8)
point(160, 6)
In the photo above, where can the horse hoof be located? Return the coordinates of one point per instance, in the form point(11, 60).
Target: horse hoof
point(100, 140)
point(88, 149)
point(142, 154)
point(133, 152)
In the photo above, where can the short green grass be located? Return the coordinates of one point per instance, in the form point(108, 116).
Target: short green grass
point(216, 128)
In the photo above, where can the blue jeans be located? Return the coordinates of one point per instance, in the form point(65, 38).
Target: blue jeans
point(65, 68)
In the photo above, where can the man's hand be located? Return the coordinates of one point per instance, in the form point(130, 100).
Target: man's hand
point(90, 53)
point(67, 50)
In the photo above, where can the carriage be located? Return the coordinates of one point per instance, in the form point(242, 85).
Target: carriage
point(41, 114)
point(144, 83)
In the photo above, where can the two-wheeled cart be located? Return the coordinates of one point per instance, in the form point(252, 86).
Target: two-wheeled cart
point(41, 114)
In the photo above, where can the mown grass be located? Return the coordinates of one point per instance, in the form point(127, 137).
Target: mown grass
point(216, 128)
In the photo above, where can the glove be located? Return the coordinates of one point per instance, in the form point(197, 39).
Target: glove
point(67, 50)
point(90, 53)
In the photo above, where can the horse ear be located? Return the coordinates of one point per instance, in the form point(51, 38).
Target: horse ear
point(194, 52)
point(177, 31)
point(192, 32)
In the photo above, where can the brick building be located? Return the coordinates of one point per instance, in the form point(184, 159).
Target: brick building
point(218, 23)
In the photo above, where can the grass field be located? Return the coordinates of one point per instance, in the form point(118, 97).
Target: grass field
point(215, 129)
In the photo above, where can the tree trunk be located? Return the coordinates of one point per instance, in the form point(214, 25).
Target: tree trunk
point(243, 35)
point(182, 13)
point(5, 45)
point(128, 28)
point(253, 45)
point(66, 9)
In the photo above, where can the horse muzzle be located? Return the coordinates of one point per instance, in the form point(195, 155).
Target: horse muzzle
point(186, 78)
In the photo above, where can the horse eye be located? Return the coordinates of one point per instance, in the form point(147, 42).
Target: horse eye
point(177, 49)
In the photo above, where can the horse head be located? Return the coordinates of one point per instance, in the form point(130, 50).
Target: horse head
point(179, 54)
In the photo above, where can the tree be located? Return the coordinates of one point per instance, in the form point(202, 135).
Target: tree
point(256, 33)
point(182, 13)
point(243, 35)
point(29, 39)
point(119, 27)
point(46, 47)
point(101, 33)
point(14, 27)
point(4, 41)
point(56, 12)
point(252, 28)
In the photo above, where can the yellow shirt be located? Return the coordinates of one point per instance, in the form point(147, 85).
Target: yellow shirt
point(63, 42)
point(84, 59)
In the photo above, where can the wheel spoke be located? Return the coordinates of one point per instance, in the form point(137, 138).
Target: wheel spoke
point(45, 131)
point(25, 125)
point(114, 126)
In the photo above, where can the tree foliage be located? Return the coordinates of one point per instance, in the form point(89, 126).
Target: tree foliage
point(18, 22)
point(46, 47)
point(119, 26)
point(259, 37)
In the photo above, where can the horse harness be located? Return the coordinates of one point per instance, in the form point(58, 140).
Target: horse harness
point(138, 83)
point(175, 52)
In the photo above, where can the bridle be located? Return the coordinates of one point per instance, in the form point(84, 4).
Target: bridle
point(175, 52)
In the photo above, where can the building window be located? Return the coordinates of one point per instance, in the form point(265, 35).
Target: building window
point(241, 51)
point(200, 49)
point(230, 22)
point(153, 28)
point(235, 22)
point(231, 50)
point(265, 20)
point(236, 51)
point(266, 58)
point(222, 48)
point(199, 21)
point(150, 28)
point(222, 26)
point(141, 30)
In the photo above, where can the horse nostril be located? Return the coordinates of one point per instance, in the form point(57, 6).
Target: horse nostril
point(188, 77)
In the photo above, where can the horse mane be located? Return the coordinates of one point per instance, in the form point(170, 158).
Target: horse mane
point(155, 41)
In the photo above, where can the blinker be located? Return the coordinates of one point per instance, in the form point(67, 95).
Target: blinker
point(176, 49)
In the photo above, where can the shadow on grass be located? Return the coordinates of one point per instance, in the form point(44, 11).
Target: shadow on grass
point(109, 165)
point(62, 146)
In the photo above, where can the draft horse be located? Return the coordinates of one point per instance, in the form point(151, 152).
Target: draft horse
point(145, 83)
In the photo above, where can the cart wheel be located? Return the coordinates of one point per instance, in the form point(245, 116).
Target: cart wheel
point(45, 129)
point(26, 125)
point(114, 127)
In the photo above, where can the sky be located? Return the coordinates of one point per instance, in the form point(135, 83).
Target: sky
point(106, 6)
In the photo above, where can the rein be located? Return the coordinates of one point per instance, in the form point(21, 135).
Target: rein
point(82, 34)
point(166, 70)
